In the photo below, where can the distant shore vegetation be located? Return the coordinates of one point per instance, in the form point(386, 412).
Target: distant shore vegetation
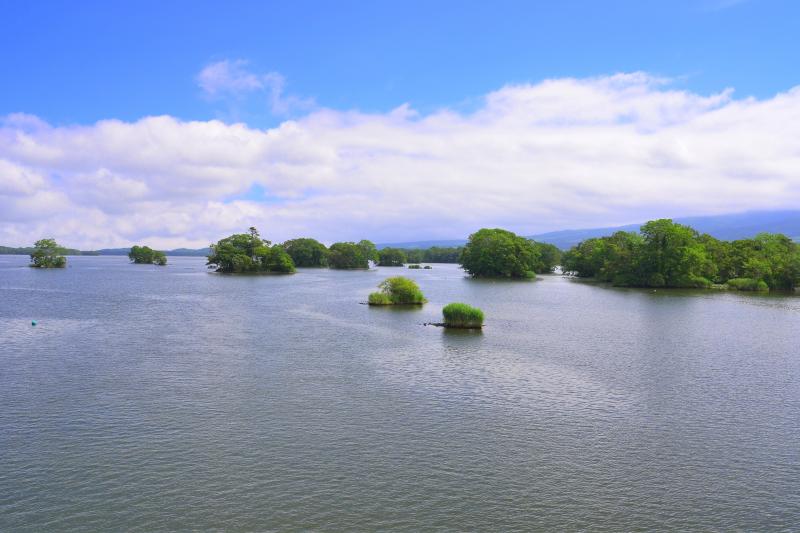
point(47, 253)
point(667, 254)
point(392, 257)
point(144, 255)
point(397, 291)
point(248, 253)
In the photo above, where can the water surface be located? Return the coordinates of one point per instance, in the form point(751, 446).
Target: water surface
point(152, 398)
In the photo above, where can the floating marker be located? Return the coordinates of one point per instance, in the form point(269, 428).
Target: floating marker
point(33, 322)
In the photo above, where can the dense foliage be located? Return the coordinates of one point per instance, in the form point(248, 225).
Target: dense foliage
point(549, 257)
point(307, 252)
point(144, 255)
point(397, 291)
point(666, 254)
point(369, 250)
point(434, 254)
point(458, 315)
point(347, 255)
point(394, 257)
point(28, 250)
point(48, 254)
point(248, 253)
point(500, 253)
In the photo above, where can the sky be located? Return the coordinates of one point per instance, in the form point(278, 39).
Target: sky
point(177, 123)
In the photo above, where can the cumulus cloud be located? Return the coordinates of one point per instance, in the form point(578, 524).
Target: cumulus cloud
point(556, 154)
point(232, 79)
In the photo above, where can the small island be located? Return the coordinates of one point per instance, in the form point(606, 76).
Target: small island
point(462, 316)
point(248, 253)
point(499, 253)
point(144, 255)
point(397, 291)
point(47, 253)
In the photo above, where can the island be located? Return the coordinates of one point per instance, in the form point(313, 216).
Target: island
point(47, 253)
point(462, 316)
point(397, 291)
point(144, 255)
point(248, 253)
point(670, 255)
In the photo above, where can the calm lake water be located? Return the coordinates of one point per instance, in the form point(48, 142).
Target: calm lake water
point(152, 399)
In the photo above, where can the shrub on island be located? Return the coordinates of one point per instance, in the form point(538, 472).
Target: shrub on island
point(391, 257)
point(397, 291)
point(497, 253)
point(48, 254)
point(243, 253)
point(414, 266)
point(307, 252)
point(460, 315)
point(144, 255)
point(747, 284)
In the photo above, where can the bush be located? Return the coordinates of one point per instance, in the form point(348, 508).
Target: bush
point(747, 284)
point(397, 291)
point(459, 315)
point(379, 298)
point(413, 267)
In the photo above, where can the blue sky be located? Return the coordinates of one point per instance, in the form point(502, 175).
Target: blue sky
point(84, 61)
point(176, 122)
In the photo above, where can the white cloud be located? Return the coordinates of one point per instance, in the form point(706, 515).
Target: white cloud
point(556, 154)
point(231, 79)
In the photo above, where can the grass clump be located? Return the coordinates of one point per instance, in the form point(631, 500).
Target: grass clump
point(748, 284)
point(459, 315)
point(397, 291)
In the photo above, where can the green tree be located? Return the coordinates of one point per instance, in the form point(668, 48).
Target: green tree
point(347, 255)
point(369, 250)
point(307, 252)
point(673, 256)
point(499, 253)
point(144, 255)
point(247, 252)
point(549, 257)
point(48, 254)
point(414, 255)
point(393, 257)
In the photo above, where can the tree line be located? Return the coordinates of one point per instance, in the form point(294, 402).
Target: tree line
point(667, 254)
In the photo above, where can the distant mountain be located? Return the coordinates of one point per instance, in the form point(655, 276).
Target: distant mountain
point(725, 227)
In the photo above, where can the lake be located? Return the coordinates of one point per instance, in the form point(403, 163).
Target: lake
point(168, 398)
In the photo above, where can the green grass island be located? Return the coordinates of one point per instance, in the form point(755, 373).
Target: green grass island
point(397, 291)
point(462, 316)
